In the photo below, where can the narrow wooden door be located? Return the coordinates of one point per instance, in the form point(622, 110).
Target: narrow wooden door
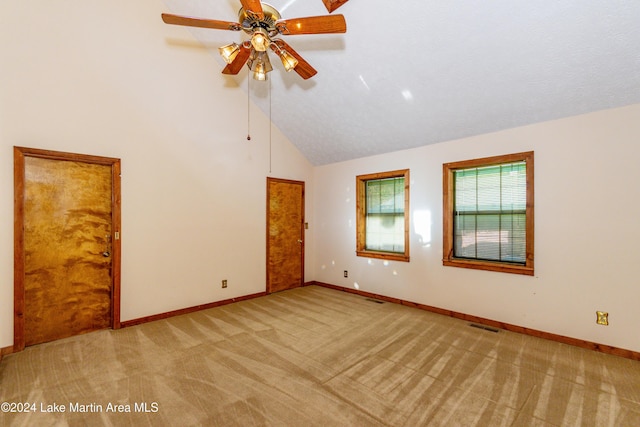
point(67, 249)
point(285, 234)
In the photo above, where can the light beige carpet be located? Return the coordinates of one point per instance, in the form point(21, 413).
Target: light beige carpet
point(317, 357)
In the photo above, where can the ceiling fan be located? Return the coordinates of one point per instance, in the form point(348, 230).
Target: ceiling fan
point(262, 22)
point(332, 5)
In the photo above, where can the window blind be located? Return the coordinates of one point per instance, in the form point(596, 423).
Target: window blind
point(490, 213)
point(385, 215)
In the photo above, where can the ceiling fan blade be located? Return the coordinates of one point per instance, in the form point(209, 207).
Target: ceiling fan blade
point(304, 69)
point(253, 7)
point(199, 22)
point(239, 61)
point(332, 5)
point(313, 25)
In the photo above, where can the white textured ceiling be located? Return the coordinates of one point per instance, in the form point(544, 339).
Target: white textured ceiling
point(417, 72)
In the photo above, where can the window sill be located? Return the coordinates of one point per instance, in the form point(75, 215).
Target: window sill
point(489, 266)
point(390, 256)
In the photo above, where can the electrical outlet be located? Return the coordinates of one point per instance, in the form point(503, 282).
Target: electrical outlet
point(602, 318)
point(224, 283)
point(346, 273)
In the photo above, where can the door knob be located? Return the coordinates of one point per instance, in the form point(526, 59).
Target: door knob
point(299, 240)
point(107, 253)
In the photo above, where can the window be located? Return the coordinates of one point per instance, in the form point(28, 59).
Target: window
point(488, 213)
point(383, 215)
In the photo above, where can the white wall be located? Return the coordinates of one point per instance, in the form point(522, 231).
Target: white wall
point(108, 78)
point(587, 231)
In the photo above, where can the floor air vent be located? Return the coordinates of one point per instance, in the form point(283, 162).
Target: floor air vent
point(375, 300)
point(486, 328)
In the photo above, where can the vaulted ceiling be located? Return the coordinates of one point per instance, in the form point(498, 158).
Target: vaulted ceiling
point(418, 72)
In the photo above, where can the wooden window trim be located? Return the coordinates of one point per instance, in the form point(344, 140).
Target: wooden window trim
point(361, 204)
point(448, 206)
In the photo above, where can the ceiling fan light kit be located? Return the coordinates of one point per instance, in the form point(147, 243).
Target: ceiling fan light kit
point(229, 52)
point(260, 40)
point(260, 65)
point(288, 61)
point(262, 22)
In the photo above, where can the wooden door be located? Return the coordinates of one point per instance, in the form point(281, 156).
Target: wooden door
point(285, 234)
point(67, 245)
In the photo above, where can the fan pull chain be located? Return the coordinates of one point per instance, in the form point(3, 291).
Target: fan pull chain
point(270, 126)
point(248, 111)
